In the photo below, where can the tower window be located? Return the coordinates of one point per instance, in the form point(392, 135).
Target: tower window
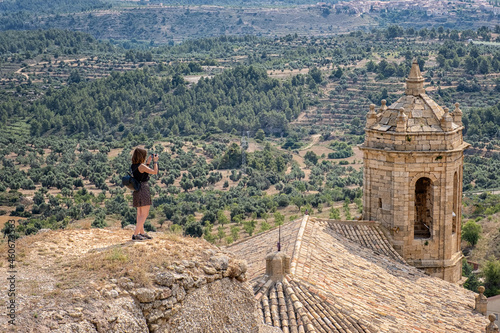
point(423, 208)
point(379, 202)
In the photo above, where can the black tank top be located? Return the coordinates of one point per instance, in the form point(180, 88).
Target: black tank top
point(140, 176)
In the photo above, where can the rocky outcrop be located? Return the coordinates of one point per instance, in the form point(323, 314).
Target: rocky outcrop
point(233, 306)
point(193, 294)
point(206, 292)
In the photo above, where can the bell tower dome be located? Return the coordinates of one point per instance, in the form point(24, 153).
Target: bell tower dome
point(413, 164)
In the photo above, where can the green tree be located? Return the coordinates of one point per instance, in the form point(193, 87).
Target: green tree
point(235, 232)
point(338, 73)
point(260, 135)
point(279, 218)
point(186, 184)
point(193, 228)
point(221, 233)
point(471, 64)
point(311, 157)
point(264, 226)
point(316, 74)
point(491, 272)
point(298, 201)
point(472, 281)
point(221, 218)
point(99, 221)
point(334, 213)
point(484, 67)
point(249, 226)
point(74, 77)
point(207, 233)
point(231, 158)
point(471, 232)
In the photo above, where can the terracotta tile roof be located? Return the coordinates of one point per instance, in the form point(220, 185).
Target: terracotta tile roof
point(367, 234)
point(255, 248)
point(295, 307)
point(343, 278)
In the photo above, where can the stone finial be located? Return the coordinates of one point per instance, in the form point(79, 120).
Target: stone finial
point(481, 301)
point(492, 327)
point(415, 81)
point(277, 265)
point(446, 121)
point(401, 121)
point(383, 107)
point(457, 115)
point(371, 117)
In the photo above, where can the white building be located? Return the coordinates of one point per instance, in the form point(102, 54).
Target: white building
point(494, 307)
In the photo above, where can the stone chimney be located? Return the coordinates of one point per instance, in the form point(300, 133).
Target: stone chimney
point(371, 117)
point(415, 81)
point(481, 301)
point(492, 327)
point(277, 265)
point(457, 115)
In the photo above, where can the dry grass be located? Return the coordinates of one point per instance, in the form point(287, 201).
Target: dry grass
point(134, 260)
point(56, 263)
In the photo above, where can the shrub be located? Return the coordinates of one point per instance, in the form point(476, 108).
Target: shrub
point(491, 273)
point(193, 228)
point(99, 222)
point(264, 226)
point(471, 232)
point(149, 227)
point(311, 157)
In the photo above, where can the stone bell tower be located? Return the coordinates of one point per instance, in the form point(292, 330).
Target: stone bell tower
point(413, 164)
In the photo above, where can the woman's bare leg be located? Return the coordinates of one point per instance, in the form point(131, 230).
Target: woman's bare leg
point(142, 215)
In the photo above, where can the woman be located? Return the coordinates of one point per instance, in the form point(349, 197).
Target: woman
point(142, 197)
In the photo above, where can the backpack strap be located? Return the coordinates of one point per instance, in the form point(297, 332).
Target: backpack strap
point(131, 172)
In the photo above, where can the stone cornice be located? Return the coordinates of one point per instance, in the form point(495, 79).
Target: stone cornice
point(461, 148)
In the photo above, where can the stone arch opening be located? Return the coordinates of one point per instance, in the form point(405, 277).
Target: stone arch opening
point(423, 208)
point(455, 204)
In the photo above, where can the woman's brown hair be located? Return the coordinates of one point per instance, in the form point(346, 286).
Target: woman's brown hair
point(139, 156)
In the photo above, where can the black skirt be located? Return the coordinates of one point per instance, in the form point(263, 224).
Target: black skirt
point(142, 197)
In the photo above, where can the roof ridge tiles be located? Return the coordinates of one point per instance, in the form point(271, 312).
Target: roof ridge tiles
point(266, 310)
point(298, 243)
point(274, 306)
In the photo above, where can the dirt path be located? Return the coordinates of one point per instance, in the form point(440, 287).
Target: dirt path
point(304, 114)
point(315, 140)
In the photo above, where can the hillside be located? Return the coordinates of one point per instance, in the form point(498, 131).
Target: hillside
point(251, 131)
point(98, 281)
point(176, 21)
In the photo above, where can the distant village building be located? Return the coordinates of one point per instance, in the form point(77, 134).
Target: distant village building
point(494, 308)
point(431, 7)
point(413, 165)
